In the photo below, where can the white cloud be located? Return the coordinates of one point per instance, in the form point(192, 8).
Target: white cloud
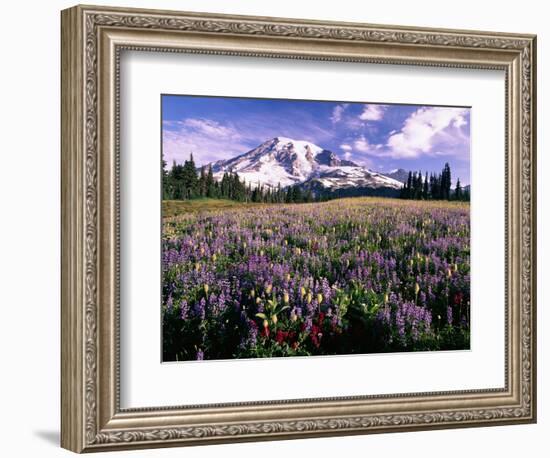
point(347, 155)
point(362, 145)
point(372, 112)
point(427, 128)
point(346, 147)
point(459, 121)
point(208, 141)
point(210, 128)
point(338, 112)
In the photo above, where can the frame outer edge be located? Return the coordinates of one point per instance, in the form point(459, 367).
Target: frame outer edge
point(72, 228)
point(533, 253)
point(81, 426)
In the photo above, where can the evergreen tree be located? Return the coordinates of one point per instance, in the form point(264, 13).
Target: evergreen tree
point(166, 183)
point(256, 195)
point(418, 185)
point(433, 193)
point(425, 187)
point(177, 180)
point(288, 195)
point(441, 179)
point(297, 194)
point(210, 188)
point(190, 179)
point(224, 186)
point(446, 182)
point(408, 187)
point(458, 190)
point(202, 183)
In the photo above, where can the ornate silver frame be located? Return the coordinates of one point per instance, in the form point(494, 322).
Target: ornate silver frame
point(92, 39)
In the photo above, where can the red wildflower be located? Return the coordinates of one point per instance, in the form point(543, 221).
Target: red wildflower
point(458, 298)
point(281, 336)
point(316, 335)
point(321, 318)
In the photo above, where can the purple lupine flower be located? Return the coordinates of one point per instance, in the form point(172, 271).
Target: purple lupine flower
point(184, 309)
point(221, 301)
point(400, 323)
point(200, 309)
point(449, 315)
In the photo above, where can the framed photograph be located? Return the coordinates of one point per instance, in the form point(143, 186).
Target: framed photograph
point(278, 228)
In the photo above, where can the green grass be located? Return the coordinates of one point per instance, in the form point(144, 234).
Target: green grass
point(172, 208)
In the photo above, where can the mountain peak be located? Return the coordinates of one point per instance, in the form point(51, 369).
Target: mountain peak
point(285, 161)
point(284, 140)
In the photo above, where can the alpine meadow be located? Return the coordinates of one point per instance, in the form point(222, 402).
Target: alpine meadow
point(313, 228)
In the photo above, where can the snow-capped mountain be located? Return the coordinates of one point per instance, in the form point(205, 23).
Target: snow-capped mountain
point(398, 174)
point(351, 177)
point(288, 162)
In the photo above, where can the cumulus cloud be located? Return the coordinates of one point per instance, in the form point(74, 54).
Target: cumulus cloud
point(338, 112)
point(346, 147)
point(432, 131)
point(362, 145)
point(372, 112)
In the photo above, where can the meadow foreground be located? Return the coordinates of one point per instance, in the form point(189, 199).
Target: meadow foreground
point(348, 276)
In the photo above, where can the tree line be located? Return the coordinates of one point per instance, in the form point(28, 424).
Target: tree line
point(433, 187)
point(182, 182)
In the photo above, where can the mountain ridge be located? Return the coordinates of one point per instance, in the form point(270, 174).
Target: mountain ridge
point(287, 162)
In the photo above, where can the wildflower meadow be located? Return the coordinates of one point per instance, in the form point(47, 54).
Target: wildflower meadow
point(347, 276)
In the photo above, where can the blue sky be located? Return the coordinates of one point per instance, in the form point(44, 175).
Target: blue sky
point(381, 137)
